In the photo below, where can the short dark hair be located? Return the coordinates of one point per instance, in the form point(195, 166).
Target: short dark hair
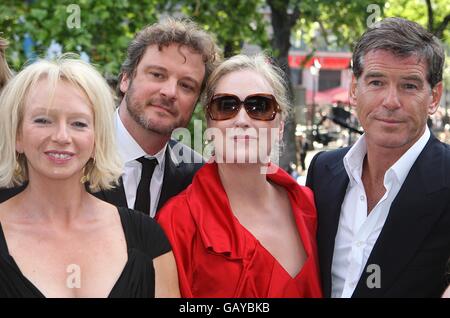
point(403, 38)
point(179, 31)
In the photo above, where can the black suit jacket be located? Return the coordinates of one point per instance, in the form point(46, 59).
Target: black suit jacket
point(414, 244)
point(178, 174)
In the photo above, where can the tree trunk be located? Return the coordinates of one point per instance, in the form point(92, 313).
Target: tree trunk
point(282, 23)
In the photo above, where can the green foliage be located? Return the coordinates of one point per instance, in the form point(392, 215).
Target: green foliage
point(103, 34)
point(107, 26)
point(335, 25)
point(232, 21)
point(416, 10)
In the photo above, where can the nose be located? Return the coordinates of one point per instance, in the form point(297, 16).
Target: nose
point(242, 119)
point(169, 88)
point(391, 100)
point(61, 133)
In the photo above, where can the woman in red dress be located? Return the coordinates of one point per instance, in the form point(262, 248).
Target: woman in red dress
point(244, 227)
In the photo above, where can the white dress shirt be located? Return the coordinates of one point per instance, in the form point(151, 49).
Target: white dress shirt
point(357, 232)
point(130, 150)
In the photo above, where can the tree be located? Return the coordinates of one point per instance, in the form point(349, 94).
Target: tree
point(284, 15)
point(101, 29)
point(234, 22)
point(431, 14)
point(336, 25)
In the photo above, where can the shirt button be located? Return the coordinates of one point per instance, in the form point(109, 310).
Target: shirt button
point(362, 198)
point(359, 244)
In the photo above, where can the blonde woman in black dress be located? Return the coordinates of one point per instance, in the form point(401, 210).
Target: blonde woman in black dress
point(56, 239)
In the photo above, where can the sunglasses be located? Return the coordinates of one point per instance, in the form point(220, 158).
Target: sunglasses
point(257, 106)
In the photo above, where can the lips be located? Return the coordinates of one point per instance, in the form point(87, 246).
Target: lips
point(59, 156)
point(243, 137)
point(389, 121)
point(161, 105)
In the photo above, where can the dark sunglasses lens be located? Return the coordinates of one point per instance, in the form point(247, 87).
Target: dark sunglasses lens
point(224, 107)
point(260, 107)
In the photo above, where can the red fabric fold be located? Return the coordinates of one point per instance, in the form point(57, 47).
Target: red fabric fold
point(217, 257)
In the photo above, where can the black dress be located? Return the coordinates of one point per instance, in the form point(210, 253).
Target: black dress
point(145, 241)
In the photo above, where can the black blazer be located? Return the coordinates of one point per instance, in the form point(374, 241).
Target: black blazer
point(178, 175)
point(414, 244)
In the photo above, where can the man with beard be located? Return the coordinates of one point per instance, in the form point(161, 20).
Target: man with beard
point(165, 70)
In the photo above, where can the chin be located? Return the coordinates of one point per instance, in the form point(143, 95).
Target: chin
point(393, 143)
point(244, 157)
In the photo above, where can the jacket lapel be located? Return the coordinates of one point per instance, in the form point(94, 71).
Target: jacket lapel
point(328, 220)
point(171, 180)
point(411, 218)
point(115, 196)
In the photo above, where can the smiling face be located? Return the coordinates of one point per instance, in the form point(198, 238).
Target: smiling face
point(242, 139)
point(57, 139)
point(162, 94)
point(393, 99)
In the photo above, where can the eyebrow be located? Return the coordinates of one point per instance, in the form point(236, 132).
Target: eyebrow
point(413, 78)
point(50, 111)
point(162, 69)
point(151, 66)
point(374, 74)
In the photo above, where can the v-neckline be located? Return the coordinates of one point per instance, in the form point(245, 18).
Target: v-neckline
point(302, 232)
point(36, 289)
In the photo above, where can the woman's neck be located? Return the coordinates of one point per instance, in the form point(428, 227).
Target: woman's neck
point(244, 183)
point(52, 201)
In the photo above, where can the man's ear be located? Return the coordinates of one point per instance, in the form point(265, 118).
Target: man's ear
point(436, 94)
point(124, 83)
point(352, 91)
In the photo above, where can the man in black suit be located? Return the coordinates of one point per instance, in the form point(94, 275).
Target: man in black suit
point(165, 70)
point(384, 204)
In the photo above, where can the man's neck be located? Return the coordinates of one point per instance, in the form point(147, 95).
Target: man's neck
point(149, 141)
point(377, 161)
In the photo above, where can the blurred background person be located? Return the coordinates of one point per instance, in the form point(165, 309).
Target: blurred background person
point(303, 147)
point(56, 239)
point(238, 231)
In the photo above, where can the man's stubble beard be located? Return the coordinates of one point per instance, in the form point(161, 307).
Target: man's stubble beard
point(137, 113)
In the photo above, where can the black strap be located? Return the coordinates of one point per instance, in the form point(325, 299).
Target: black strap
point(142, 202)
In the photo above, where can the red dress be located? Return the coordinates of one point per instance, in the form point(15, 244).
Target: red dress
point(217, 257)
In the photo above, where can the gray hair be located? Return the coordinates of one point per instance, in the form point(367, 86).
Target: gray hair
point(403, 38)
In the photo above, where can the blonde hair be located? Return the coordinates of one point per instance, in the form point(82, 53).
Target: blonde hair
point(259, 63)
point(104, 171)
point(5, 72)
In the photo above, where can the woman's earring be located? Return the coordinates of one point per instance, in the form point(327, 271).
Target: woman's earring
point(85, 177)
point(18, 168)
point(87, 174)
